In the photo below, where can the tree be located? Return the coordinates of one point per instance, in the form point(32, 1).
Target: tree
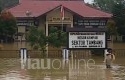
point(119, 17)
point(117, 8)
point(57, 38)
point(37, 39)
point(112, 30)
point(8, 25)
point(0, 7)
point(106, 5)
point(111, 26)
point(8, 3)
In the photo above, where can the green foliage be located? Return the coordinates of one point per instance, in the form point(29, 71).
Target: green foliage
point(117, 8)
point(8, 25)
point(119, 17)
point(37, 39)
point(111, 26)
point(0, 6)
point(106, 5)
point(0, 9)
point(8, 3)
point(57, 38)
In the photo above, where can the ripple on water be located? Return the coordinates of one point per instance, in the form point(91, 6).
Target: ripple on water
point(118, 73)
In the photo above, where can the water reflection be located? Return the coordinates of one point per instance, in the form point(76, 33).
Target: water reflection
point(10, 69)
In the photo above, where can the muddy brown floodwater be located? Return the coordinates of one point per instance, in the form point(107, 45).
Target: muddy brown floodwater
point(18, 45)
point(58, 69)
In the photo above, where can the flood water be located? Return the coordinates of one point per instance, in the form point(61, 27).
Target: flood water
point(18, 45)
point(58, 69)
point(15, 45)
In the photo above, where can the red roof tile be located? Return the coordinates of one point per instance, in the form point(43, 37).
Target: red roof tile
point(37, 8)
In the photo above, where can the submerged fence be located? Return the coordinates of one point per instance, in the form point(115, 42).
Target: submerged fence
point(53, 53)
point(9, 53)
point(31, 54)
point(119, 52)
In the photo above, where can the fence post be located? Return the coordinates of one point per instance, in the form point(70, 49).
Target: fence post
point(63, 53)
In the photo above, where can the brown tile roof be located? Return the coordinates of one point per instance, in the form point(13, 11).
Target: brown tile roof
point(37, 8)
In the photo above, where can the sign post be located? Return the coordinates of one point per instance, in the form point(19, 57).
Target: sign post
point(82, 38)
point(87, 40)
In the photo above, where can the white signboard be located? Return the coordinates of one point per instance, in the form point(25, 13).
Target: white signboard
point(87, 40)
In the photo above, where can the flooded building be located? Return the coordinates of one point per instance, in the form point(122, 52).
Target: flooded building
point(44, 14)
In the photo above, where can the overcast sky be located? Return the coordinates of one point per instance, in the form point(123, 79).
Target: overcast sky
point(88, 1)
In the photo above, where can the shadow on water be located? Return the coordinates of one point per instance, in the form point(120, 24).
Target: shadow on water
point(11, 69)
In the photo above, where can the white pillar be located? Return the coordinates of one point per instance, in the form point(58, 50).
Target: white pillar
point(64, 53)
point(46, 28)
point(21, 54)
point(47, 35)
point(25, 54)
point(105, 52)
point(67, 54)
point(71, 52)
point(72, 23)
